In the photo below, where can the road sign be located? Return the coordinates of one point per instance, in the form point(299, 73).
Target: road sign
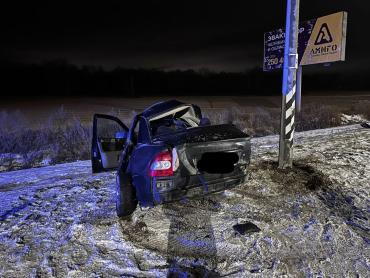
point(320, 40)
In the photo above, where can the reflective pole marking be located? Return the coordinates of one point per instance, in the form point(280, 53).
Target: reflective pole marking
point(290, 111)
point(289, 126)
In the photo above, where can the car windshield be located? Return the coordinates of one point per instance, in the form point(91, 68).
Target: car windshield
point(174, 120)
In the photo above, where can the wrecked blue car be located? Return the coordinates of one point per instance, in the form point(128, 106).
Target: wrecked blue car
point(168, 153)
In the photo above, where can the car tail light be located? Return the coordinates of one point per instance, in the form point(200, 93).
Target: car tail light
point(161, 165)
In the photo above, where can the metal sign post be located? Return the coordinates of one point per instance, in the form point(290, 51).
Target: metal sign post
point(290, 67)
point(298, 95)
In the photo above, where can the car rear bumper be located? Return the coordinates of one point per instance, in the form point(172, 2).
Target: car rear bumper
point(201, 189)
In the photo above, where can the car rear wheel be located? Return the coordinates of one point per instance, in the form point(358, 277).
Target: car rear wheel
point(126, 201)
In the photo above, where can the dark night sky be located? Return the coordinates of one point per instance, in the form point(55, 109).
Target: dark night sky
point(219, 35)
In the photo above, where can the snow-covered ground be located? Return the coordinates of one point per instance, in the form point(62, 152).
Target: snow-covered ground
point(59, 221)
point(352, 119)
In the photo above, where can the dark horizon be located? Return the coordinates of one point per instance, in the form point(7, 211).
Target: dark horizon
point(163, 35)
point(154, 48)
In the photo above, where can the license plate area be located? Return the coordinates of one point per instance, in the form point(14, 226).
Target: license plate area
point(217, 162)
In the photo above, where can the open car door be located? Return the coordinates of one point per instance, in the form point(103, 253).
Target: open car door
point(108, 141)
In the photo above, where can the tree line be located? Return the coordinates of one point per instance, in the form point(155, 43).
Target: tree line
point(60, 78)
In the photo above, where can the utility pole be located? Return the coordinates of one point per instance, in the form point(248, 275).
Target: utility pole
point(287, 122)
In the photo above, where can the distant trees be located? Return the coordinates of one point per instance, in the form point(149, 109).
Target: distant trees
point(60, 78)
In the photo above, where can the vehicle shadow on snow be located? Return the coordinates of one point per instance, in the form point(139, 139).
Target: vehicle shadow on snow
point(191, 235)
point(181, 232)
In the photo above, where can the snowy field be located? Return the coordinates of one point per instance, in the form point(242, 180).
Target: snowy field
point(59, 221)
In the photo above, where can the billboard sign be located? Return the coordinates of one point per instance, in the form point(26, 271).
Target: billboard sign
point(320, 40)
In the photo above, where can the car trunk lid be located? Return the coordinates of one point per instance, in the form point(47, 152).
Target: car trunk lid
point(211, 152)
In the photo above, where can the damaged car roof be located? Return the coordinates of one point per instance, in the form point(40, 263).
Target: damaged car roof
point(161, 107)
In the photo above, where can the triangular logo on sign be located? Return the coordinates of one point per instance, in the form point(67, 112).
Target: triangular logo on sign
point(324, 35)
